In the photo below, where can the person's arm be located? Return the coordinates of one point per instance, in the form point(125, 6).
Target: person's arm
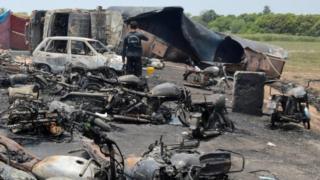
point(143, 37)
point(124, 50)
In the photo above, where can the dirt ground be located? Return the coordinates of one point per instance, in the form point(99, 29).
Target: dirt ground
point(290, 152)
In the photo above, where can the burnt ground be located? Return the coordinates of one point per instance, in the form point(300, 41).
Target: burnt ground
point(293, 155)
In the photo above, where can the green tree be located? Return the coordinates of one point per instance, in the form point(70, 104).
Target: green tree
point(222, 23)
point(237, 26)
point(209, 15)
point(266, 10)
point(315, 30)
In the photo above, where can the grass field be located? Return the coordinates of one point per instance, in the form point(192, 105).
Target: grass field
point(279, 37)
point(303, 62)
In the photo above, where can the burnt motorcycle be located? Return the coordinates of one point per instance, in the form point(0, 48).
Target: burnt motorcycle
point(44, 81)
point(212, 76)
point(129, 105)
point(292, 105)
point(182, 162)
point(36, 117)
point(206, 117)
point(98, 82)
point(65, 167)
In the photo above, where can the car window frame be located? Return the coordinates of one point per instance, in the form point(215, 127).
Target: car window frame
point(87, 44)
point(49, 43)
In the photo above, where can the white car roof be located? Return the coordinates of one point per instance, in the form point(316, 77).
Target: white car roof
point(70, 38)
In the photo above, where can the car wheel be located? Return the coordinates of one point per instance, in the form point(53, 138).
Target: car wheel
point(44, 67)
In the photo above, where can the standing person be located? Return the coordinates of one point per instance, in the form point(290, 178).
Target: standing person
point(132, 50)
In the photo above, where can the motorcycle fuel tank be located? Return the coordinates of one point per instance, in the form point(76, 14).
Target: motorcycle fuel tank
point(129, 79)
point(169, 90)
point(297, 92)
point(213, 70)
point(64, 166)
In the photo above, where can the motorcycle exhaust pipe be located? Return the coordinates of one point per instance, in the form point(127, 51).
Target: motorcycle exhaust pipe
point(130, 119)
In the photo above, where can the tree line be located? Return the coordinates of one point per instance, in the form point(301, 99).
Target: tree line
point(264, 22)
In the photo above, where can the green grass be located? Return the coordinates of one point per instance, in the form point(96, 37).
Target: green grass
point(279, 37)
point(303, 62)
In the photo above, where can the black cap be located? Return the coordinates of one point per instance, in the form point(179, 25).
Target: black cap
point(133, 24)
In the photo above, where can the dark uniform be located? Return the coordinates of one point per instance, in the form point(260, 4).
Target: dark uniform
point(132, 49)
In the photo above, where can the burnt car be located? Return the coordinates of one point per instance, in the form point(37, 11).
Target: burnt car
point(54, 53)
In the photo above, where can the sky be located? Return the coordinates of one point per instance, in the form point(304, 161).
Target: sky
point(194, 7)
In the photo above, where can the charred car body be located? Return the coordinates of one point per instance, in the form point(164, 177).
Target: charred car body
point(54, 53)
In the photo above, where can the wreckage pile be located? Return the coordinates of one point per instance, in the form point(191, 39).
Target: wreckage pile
point(84, 102)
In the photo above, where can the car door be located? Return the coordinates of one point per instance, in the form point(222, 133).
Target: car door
point(83, 55)
point(54, 54)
